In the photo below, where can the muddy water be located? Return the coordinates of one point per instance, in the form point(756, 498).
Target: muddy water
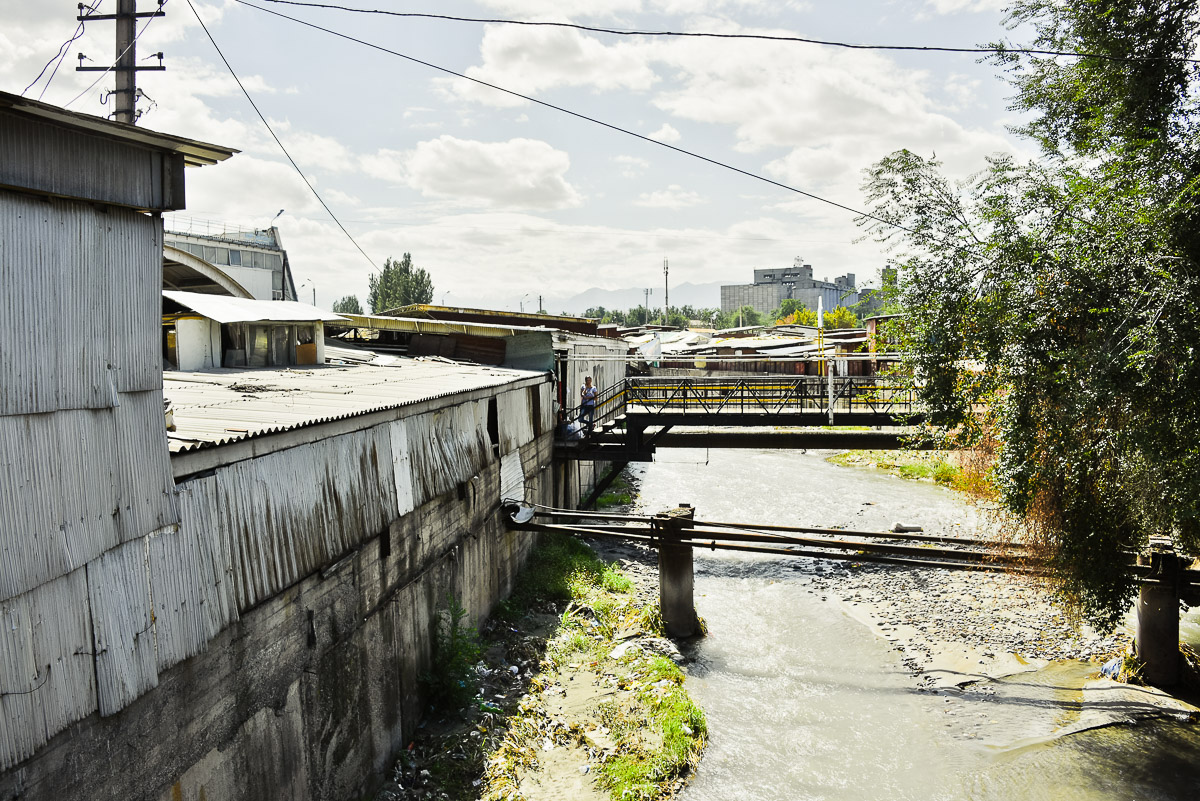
point(804, 702)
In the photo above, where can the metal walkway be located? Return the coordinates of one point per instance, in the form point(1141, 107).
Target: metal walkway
point(637, 415)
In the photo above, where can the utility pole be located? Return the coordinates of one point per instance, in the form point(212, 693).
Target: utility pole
point(126, 92)
point(649, 292)
point(666, 293)
point(540, 306)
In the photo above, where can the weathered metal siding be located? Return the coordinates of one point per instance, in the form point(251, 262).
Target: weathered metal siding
point(283, 516)
point(80, 283)
point(45, 157)
point(596, 357)
point(188, 571)
point(198, 512)
point(147, 490)
point(122, 625)
point(402, 468)
point(512, 477)
point(447, 448)
point(57, 495)
point(47, 680)
point(75, 483)
point(515, 418)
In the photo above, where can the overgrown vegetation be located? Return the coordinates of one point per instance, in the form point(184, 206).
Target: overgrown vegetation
point(640, 741)
point(656, 730)
point(1052, 308)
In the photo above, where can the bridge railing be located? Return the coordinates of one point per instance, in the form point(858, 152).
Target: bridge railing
point(768, 396)
point(609, 404)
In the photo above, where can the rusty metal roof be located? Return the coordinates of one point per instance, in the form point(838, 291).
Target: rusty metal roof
point(216, 407)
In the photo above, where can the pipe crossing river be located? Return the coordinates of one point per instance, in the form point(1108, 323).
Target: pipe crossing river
point(827, 680)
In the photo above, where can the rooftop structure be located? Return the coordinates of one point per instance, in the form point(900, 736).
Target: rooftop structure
point(204, 331)
point(253, 260)
point(772, 286)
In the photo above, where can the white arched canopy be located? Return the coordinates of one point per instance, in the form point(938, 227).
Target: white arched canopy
point(189, 273)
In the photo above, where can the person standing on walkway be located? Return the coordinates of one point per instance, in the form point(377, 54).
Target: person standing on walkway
point(587, 397)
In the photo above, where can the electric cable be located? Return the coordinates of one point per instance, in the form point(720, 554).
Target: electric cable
point(994, 50)
point(271, 131)
point(594, 120)
point(59, 56)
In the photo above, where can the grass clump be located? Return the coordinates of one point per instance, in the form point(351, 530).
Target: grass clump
point(649, 762)
point(561, 568)
point(913, 465)
point(620, 493)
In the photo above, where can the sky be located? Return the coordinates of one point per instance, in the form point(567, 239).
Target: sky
point(502, 200)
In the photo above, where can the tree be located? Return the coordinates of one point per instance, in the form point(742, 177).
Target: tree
point(746, 316)
point(840, 317)
point(348, 305)
point(1055, 306)
point(399, 284)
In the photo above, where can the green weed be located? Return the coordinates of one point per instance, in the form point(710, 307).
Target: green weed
point(451, 678)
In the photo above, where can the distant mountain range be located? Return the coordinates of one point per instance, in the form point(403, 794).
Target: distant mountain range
point(699, 296)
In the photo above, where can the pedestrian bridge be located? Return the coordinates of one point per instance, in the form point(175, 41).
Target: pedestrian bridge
point(639, 414)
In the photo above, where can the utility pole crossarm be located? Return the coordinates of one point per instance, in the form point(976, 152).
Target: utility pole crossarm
point(125, 67)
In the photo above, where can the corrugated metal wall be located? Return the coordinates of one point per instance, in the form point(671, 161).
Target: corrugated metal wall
point(85, 474)
point(512, 477)
point(75, 483)
point(82, 283)
point(84, 463)
point(122, 625)
point(47, 680)
point(114, 608)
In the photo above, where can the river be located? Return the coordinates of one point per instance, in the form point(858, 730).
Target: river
point(806, 702)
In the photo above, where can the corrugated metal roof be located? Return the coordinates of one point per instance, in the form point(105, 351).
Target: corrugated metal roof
point(243, 310)
point(414, 325)
point(221, 406)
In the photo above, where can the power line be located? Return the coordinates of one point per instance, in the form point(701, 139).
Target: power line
point(59, 56)
point(578, 115)
point(607, 232)
point(994, 50)
point(271, 131)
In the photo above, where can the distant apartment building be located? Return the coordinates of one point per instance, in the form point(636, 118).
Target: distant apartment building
point(255, 259)
point(772, 286)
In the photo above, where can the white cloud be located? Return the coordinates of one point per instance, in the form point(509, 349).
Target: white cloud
point(523, 173)
point(249, 191)
point(533, 60)
point(632, 166)
point(673, 197)
point(666, 133)
point(560, 10)
point(955, 6)
point(314, 151)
